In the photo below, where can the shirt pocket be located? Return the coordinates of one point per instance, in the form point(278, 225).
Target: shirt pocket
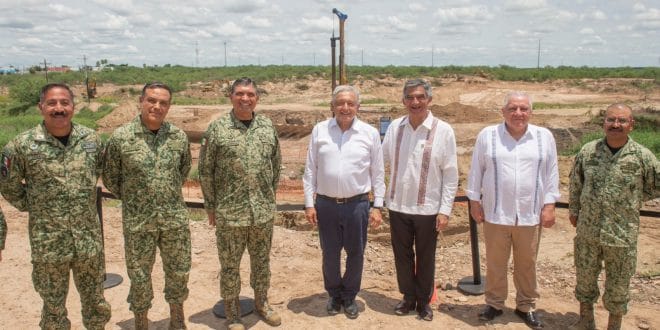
point(136, 160)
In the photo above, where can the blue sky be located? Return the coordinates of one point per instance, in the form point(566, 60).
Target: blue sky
point(297, 32)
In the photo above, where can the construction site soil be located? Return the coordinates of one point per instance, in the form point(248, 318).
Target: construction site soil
point(295, 105)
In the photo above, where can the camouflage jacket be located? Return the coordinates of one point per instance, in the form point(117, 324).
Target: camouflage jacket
point(607, 191)
point(239, 168)
point(3, 230)
point(59, 191)
point(146, 171)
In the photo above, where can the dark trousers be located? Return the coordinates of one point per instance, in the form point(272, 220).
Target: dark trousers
point(414, 274)
point(342, 226)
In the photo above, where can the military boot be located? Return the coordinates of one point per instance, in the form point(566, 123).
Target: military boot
point(141, 321)
point(177, 320)
point(233, 313)
point(587, 321)
point(614, 322)
point(265, 311)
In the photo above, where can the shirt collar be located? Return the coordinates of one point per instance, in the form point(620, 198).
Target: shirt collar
point(427, 123)
point(42, 133)
point(235, 121)
point(333, 123)
point(140, 128)
point(527, 134)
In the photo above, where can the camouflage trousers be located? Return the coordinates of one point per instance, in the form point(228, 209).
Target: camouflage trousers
point(232, 242)
point(51, 280)
point(619, 264)
point(140, 248)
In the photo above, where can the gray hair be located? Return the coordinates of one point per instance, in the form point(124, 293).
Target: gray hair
point(345, 88)
point(44, 90)
point(514, 94)
point(416, 83)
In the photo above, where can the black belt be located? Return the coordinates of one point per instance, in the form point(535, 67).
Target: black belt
point(360, 197)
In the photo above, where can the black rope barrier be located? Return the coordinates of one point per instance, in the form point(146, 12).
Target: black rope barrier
point(473, 285)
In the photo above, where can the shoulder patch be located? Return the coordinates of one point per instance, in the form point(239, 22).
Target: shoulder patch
point(89, 146)
point(5, 166)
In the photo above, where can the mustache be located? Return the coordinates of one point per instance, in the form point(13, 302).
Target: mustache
point(58, 114)
point(615, 129)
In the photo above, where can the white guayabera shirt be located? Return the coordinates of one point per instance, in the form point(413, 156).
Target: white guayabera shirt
point(423, 169)
point(514, 179)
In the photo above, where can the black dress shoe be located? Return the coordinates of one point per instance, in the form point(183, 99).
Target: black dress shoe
point(489, 313)
point(334, 305)
point(404, 307)
point(426, 313)
point(530, 318)
point(351, 309)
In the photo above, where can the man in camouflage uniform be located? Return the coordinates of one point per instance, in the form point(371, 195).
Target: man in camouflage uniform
point(610, 180)
point(239, 167)
point(146, 163)
point(3, 233)
point(51, 172)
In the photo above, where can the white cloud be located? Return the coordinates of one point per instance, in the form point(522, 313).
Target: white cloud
point(401, 25)
point(229, 29)
point(257, 22)
point(122, 7)
point(521, 33)
point(564, 15)
point(63, 11)
point(113, 22)
point(15, 23)
point(317, 24)
point(244, 6)
point(32, 41)
point(587, 31)
point(623, 28)
point(464, 15)
point(639, 7)
point(416, 7)
point(524, 5)
point(593, 41)
point(647, 20)
point(599, 15)
point(141, 19)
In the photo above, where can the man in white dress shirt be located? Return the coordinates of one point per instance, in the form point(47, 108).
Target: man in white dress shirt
point(513, 186)
point(344, 163)
point(421, 151)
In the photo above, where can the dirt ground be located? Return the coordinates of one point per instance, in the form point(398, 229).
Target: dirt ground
point(468, 104)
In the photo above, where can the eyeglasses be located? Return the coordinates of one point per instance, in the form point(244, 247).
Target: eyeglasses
point(621, 121)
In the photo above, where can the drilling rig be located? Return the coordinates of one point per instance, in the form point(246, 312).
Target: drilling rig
point(343, 79)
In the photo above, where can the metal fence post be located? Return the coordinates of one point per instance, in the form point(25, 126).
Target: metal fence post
point(473, 285)
point(109, 279)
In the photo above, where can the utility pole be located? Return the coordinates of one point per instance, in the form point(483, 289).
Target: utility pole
point(362, 58)
point(225, 54)
point(538, 57)
point(432, 54)
point(86, 77)
point(46, 69)
point(196, 54)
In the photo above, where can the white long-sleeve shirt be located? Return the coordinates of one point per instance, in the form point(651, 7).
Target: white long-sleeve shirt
point(344, 164)
point(514, 179)
point(425, 175)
